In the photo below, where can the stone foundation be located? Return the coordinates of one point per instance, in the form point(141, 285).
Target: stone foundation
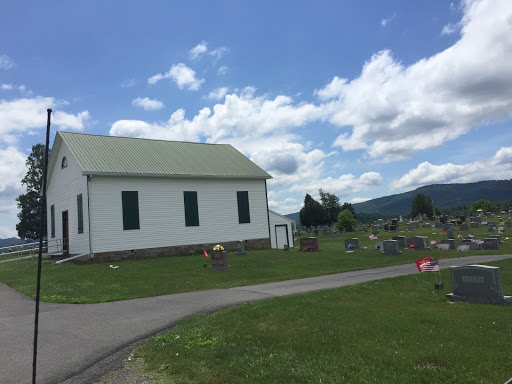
point(173, 250)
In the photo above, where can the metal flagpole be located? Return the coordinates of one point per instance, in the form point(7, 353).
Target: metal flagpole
point(40, 256)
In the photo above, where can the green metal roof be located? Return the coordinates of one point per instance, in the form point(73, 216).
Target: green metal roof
point(126, 156)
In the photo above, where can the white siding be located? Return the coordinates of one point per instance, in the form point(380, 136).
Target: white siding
point(162, 212)
point(277, 219)
point(62, 190)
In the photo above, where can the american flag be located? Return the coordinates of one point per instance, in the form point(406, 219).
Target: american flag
point(373, 237)
point(430, 266)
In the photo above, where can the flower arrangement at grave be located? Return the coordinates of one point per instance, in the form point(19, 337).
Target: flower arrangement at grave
point(218, 247)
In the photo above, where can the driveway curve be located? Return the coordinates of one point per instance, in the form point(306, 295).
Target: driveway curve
point(79, 343)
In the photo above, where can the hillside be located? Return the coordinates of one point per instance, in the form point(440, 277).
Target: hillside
point(10, 242)
point(443, 195)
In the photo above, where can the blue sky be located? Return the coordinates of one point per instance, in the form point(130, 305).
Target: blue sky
point(361, 98)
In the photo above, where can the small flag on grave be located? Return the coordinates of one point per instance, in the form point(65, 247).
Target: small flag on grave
point(373, 237)
point(205, 254)
point(427, 264)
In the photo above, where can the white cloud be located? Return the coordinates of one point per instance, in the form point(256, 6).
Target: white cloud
point(393, 111)
point(223, 69)
point(6, 62)
point(11, 87)
point(128, 83)
point(148, 104)
point(356, 200)
point(7, 87)
point(344, 185)
point(12, 169)
point(449, 29)
point(201, 49)
point(498, 167)
point(218, 93)
point(384, 22)
point(183, 76)
point(25, 115)
point(198, 50)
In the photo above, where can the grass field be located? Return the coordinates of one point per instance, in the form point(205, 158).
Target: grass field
point(389, 331)
point(97, 282)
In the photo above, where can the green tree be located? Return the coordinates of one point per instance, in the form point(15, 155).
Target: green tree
point(484, 205)
point(421, 205)
point(331, 206)
point(312, 213)
point(346, 220)
point(349, 207)
point(30, 203)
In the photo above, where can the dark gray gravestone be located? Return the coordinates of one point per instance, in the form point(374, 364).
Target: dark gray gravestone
point(391, 247)
point(379, 245)
point(450, 234)
point(240, 248)
point(491, 243)
point(419, 242)
point(375, 230)
point(450, 242)
point(495, 237)
point(475, 224)
point(508, 223)
point(478, 284)
point(401, 241)
point(352, 244)
point(438, 225)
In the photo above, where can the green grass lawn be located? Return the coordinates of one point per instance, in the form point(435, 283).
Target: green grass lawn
point(389, 331)
point(97, 282)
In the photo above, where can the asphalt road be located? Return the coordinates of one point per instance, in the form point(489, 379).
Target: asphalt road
point(79, 343)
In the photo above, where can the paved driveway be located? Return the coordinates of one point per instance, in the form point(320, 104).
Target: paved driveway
point(78, 343)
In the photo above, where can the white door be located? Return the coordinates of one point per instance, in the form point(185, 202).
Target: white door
point(282, 236)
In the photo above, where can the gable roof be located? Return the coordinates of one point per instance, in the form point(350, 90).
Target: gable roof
point(126, 156)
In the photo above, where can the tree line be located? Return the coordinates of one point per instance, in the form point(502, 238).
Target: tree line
point(327, 212)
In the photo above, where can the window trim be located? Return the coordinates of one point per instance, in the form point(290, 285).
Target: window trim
point(64, 162)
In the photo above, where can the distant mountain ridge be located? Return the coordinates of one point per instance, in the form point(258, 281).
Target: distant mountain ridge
point(11, 241)
point(443, 195)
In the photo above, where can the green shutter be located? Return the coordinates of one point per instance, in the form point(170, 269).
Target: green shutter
point(243, 207)
point(130, 209)
point(52, 218)
point(80, 215)
point(191, 209)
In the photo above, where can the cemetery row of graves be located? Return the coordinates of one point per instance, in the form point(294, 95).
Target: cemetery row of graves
point(475, 233)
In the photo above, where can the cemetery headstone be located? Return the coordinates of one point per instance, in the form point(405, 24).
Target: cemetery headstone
point(495, 237)
point(379, 245)
point(491, 243)
point(219, 260)
point(438, 225)
point(240, 248)
point(352, 244)
point(450, 242)
point(391, 247)
point(401, 241)
point(478, 284)
point(463, 227)
point(392, 228)
point(418, 242)
point(309, 244)
point(375, 230)
point(474, 224)
point(508, 223)
point(450, 234)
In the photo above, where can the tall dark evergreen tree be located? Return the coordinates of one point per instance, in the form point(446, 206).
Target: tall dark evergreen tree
point(422, 205)
point(349, 207)
point(312, 213)
point(331, 205)
point(30, 203)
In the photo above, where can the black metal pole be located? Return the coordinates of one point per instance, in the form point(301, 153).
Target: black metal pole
point(40, 256)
